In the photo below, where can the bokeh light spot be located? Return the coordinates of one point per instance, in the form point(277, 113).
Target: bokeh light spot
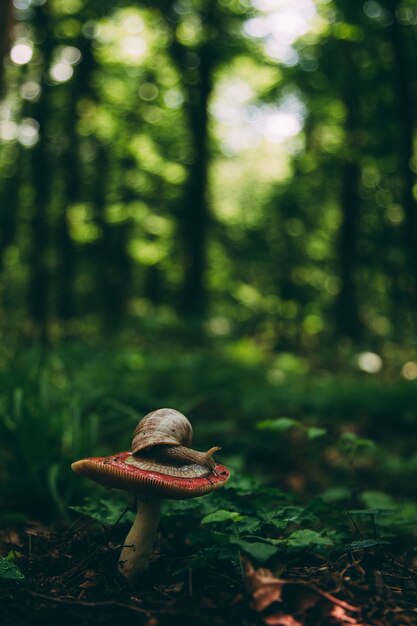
point(173, 99)
point(369, 362)
point(30, 90)
point(8, 130)
point(28, 132)
point(61, 72)
point(71, 55)
point(21, 53)
point(409, 370)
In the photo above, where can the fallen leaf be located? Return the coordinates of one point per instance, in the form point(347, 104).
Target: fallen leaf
point(38, 529)
point(281, 620)
point(87, 584)
point(284, 602)
point(11, 537)
point(174, 588)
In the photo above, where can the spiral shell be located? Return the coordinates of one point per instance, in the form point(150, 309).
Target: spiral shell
point(161, 444)
point(162, 427)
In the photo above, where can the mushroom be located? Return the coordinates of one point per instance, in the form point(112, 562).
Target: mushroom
point(161, 465)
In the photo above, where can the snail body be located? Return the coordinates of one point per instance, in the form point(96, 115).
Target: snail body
point(161, 443)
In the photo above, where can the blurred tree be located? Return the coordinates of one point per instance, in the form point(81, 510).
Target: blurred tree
point(202, 37)
point(195, 65)
point(351, 89)
point(10, 188)
point(75, 89)
point(6, 12)
point(9, 185)
point(125, 185)
point(41, 178)
point(402, 40)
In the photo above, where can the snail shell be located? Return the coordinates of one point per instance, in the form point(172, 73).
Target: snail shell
point(162, 427)
point(161, 443)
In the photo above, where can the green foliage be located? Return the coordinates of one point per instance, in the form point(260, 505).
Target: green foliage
point(223, 516)
point(285, 423)
point(356, 489)
point(363, 544)
point(306, 538)
point(279, 425)
point(9, 570)
point(70, 403)
point(106, 511)
point(108, 141)
point(262, 525)
point(261, 552)
point(265, 523)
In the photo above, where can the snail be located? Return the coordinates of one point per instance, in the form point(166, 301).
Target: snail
point(161, 443)
point(161, 465)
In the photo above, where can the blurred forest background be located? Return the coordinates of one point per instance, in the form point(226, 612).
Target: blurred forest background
point(209, 204)
point(247, 164)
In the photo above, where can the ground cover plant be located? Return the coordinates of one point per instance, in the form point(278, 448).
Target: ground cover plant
point(320, 503)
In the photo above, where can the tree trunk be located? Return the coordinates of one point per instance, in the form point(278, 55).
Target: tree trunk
point(347, 312)
point(73, 180)
point(195, 211)
point(112, 262)
point(6, 13)
point(403, 76)
point(38, 289)
point(347, 303)
point(66, 253)
point(9, 202)
point(194, 215)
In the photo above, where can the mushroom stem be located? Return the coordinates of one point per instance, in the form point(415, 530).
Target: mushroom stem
point(137, 548)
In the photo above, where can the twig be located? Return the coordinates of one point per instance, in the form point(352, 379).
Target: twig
point(74, 601)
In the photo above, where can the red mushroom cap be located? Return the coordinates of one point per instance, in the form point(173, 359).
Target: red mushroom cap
point(113, 471)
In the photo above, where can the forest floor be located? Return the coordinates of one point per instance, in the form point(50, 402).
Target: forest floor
point(70, 578)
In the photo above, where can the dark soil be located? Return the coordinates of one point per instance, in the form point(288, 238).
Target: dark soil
point(70, 578)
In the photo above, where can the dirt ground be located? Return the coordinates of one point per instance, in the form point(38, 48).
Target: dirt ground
point(71, 578)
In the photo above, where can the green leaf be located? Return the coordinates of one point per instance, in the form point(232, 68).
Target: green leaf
point(366, 443)
point(363, 545)
point(336, 494)
point(227, 552)
point(106, 512)
point(279, 425)
point(9, 570)
point(182, 507)
point(314, 432)
point(378, 500)
point(249, 525)
point(306, 538)
point(373, 512)
point(222, 516)
point(351, 440)
point(257, 550)
point(281, 518)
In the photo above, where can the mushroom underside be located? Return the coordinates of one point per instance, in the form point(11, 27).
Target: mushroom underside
point(117, 472)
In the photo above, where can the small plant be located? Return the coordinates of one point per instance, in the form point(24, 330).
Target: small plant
point(261, 522)
point(9, 570)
